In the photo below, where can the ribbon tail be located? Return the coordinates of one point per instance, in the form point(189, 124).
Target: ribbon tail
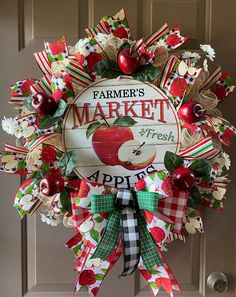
point(149, 253)
point(110, 237)
point(130, 240)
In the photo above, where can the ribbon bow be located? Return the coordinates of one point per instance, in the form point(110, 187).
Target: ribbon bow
point(126, 219)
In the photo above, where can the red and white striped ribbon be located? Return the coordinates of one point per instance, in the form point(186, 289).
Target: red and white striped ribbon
point(157, 35)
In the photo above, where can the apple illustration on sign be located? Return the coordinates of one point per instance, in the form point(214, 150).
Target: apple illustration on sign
point(115, 144)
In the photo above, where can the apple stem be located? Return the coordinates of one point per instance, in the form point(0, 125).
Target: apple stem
point(135, 151)
point(105, 121)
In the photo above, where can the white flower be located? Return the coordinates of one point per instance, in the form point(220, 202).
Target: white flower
point(55, 220)
point(45, 218)
point(194, 57)
point(227, 160)
point(208, 50)
point(10, 126)
point(205, 65)
point(51, 219)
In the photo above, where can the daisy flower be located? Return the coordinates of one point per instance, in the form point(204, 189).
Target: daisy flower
point(205, 65)
point(227, 161)
point(208, 50)
point(10, 126)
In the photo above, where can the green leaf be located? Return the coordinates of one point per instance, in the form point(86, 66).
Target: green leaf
point(195, 197)
point(28, 103)
point(106, 68)
point(92, 127)
point(46, 122)
point(99, 277)
point(147, 73)
point(123, 45)
point(61, 108)
point(67, 163)
point(65, 201)
point(201, 167)
point(94, 234)
point(153, 285)
point(99, 219)
point(172, 161)
point(125, 121)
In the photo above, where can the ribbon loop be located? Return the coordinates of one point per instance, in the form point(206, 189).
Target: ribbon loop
point(102, 203)
point(148, 200)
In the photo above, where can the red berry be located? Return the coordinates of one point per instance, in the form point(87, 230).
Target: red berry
point(87, 277)
point(157, 233)
point(191, 112)
point(183, 178)
point(49, 154)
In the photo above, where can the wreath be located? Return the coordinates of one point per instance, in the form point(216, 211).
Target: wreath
point(142, 112)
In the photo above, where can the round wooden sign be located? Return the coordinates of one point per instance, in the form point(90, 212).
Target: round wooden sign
point(121, 129)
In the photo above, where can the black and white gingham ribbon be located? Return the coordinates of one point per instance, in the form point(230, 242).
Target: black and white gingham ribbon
point(129, 231)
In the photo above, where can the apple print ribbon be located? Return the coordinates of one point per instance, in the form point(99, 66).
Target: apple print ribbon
point(13, 160)
point(219, 83)
point(30, 126)
point(21, 90)
point(116, 25)
point(170, 39)
point(178, 79)
point(126, 219)
point(56, 57)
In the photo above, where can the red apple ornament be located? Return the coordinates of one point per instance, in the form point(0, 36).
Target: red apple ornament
point(44, 104)
point(51, 184)
point(183, 178)
point(191, 112)
point(129, 60)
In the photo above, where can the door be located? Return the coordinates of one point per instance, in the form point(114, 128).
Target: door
point(34, 260)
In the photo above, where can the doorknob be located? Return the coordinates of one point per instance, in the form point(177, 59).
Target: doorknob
point(218, 282)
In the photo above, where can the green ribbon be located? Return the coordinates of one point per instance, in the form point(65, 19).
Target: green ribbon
point(106, 203)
